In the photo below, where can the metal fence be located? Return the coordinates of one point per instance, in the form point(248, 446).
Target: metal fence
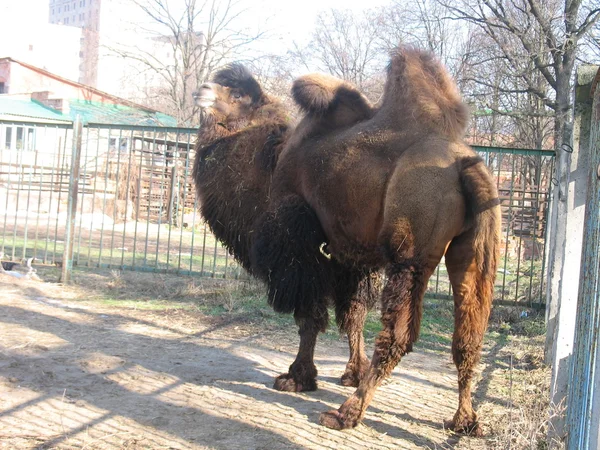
point(137, 209)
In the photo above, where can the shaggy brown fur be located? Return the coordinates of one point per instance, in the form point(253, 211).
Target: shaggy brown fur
point(329, 103)
point(239, 142)
point(395, 191)
point(236, 152)
point(427, 94)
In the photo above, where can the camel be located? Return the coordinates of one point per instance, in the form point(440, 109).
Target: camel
point(396, 190)
point(239, 142)
point(351, 191)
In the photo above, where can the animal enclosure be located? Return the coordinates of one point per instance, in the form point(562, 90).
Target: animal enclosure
point(137, 208)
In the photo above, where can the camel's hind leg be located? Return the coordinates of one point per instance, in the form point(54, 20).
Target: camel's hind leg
point(472, 303)
point(355, 293)
point(401, 317)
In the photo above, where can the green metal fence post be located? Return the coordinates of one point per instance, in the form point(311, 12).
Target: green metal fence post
point(67, 264)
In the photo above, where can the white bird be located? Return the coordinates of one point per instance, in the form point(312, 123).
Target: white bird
point(29, 275)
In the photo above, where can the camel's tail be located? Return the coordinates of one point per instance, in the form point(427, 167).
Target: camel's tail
point(484, 208)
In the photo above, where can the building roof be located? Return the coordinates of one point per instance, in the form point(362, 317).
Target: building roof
point(102, 113)
point(19, 109)
point(85, 87)
point(90, 112)
point(114, 111)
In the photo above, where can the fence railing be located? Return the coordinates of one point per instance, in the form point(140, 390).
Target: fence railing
point(137, 208)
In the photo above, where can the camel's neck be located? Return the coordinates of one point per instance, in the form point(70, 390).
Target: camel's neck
point(210, 129)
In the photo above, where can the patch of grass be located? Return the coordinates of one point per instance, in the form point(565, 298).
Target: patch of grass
point(437, 325)
point(153, 305)
point(514, 388)
point(206, 256)
point(17, 247)
point(246, 301)
point(243, 301)
point(372, 326)
point(517, 280)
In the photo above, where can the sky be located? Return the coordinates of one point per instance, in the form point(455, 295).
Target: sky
point(294, 20)
point(24, 11)
point(286, 21)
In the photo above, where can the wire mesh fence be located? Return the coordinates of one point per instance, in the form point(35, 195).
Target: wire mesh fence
point(137, 208)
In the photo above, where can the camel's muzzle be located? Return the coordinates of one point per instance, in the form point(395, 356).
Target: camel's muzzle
point(205, 97)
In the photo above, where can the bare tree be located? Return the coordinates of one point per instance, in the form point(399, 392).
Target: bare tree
point(346, 46)
point(183, 46)
point(275, 73)
point(501, 99)
point(539, 43)
point(592, 46)
point(424, 24)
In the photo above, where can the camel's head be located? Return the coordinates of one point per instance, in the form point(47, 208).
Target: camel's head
point(231, 101)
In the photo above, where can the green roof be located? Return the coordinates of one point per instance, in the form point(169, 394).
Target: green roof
point(18, 108)
point(97, 112)
point(89, 111)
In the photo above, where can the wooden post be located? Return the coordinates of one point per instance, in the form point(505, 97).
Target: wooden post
point(67, 264)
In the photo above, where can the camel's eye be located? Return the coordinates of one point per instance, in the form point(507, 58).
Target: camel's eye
point(236, 95)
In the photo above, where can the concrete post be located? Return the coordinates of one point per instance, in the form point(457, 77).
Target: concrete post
point(564, 267)
point(67, 265)
point(583, 407)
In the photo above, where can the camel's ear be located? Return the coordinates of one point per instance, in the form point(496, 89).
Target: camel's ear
point(237, 76)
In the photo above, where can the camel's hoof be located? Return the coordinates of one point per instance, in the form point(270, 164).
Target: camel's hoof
point(355, 372)
point(464, 426)
point(287, 383)
point(336, 420)
point(350, 379)
point(332, 419)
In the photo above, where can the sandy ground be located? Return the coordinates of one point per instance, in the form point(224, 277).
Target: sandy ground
point(76, 374)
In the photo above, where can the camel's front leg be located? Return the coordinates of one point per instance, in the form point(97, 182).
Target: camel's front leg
point(285, 253)
point(302, 374)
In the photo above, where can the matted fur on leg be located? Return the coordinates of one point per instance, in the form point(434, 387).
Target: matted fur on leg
point(356, 291)
point(286, 255)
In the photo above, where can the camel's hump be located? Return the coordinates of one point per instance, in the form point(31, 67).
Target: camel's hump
point(316, 92)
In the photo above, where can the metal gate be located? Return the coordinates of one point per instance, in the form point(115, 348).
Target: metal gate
point(137, 209)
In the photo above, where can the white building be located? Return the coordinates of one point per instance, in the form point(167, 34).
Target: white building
point(104, 24)
point(50, 47)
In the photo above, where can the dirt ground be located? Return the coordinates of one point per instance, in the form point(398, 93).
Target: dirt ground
point(80, 374)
